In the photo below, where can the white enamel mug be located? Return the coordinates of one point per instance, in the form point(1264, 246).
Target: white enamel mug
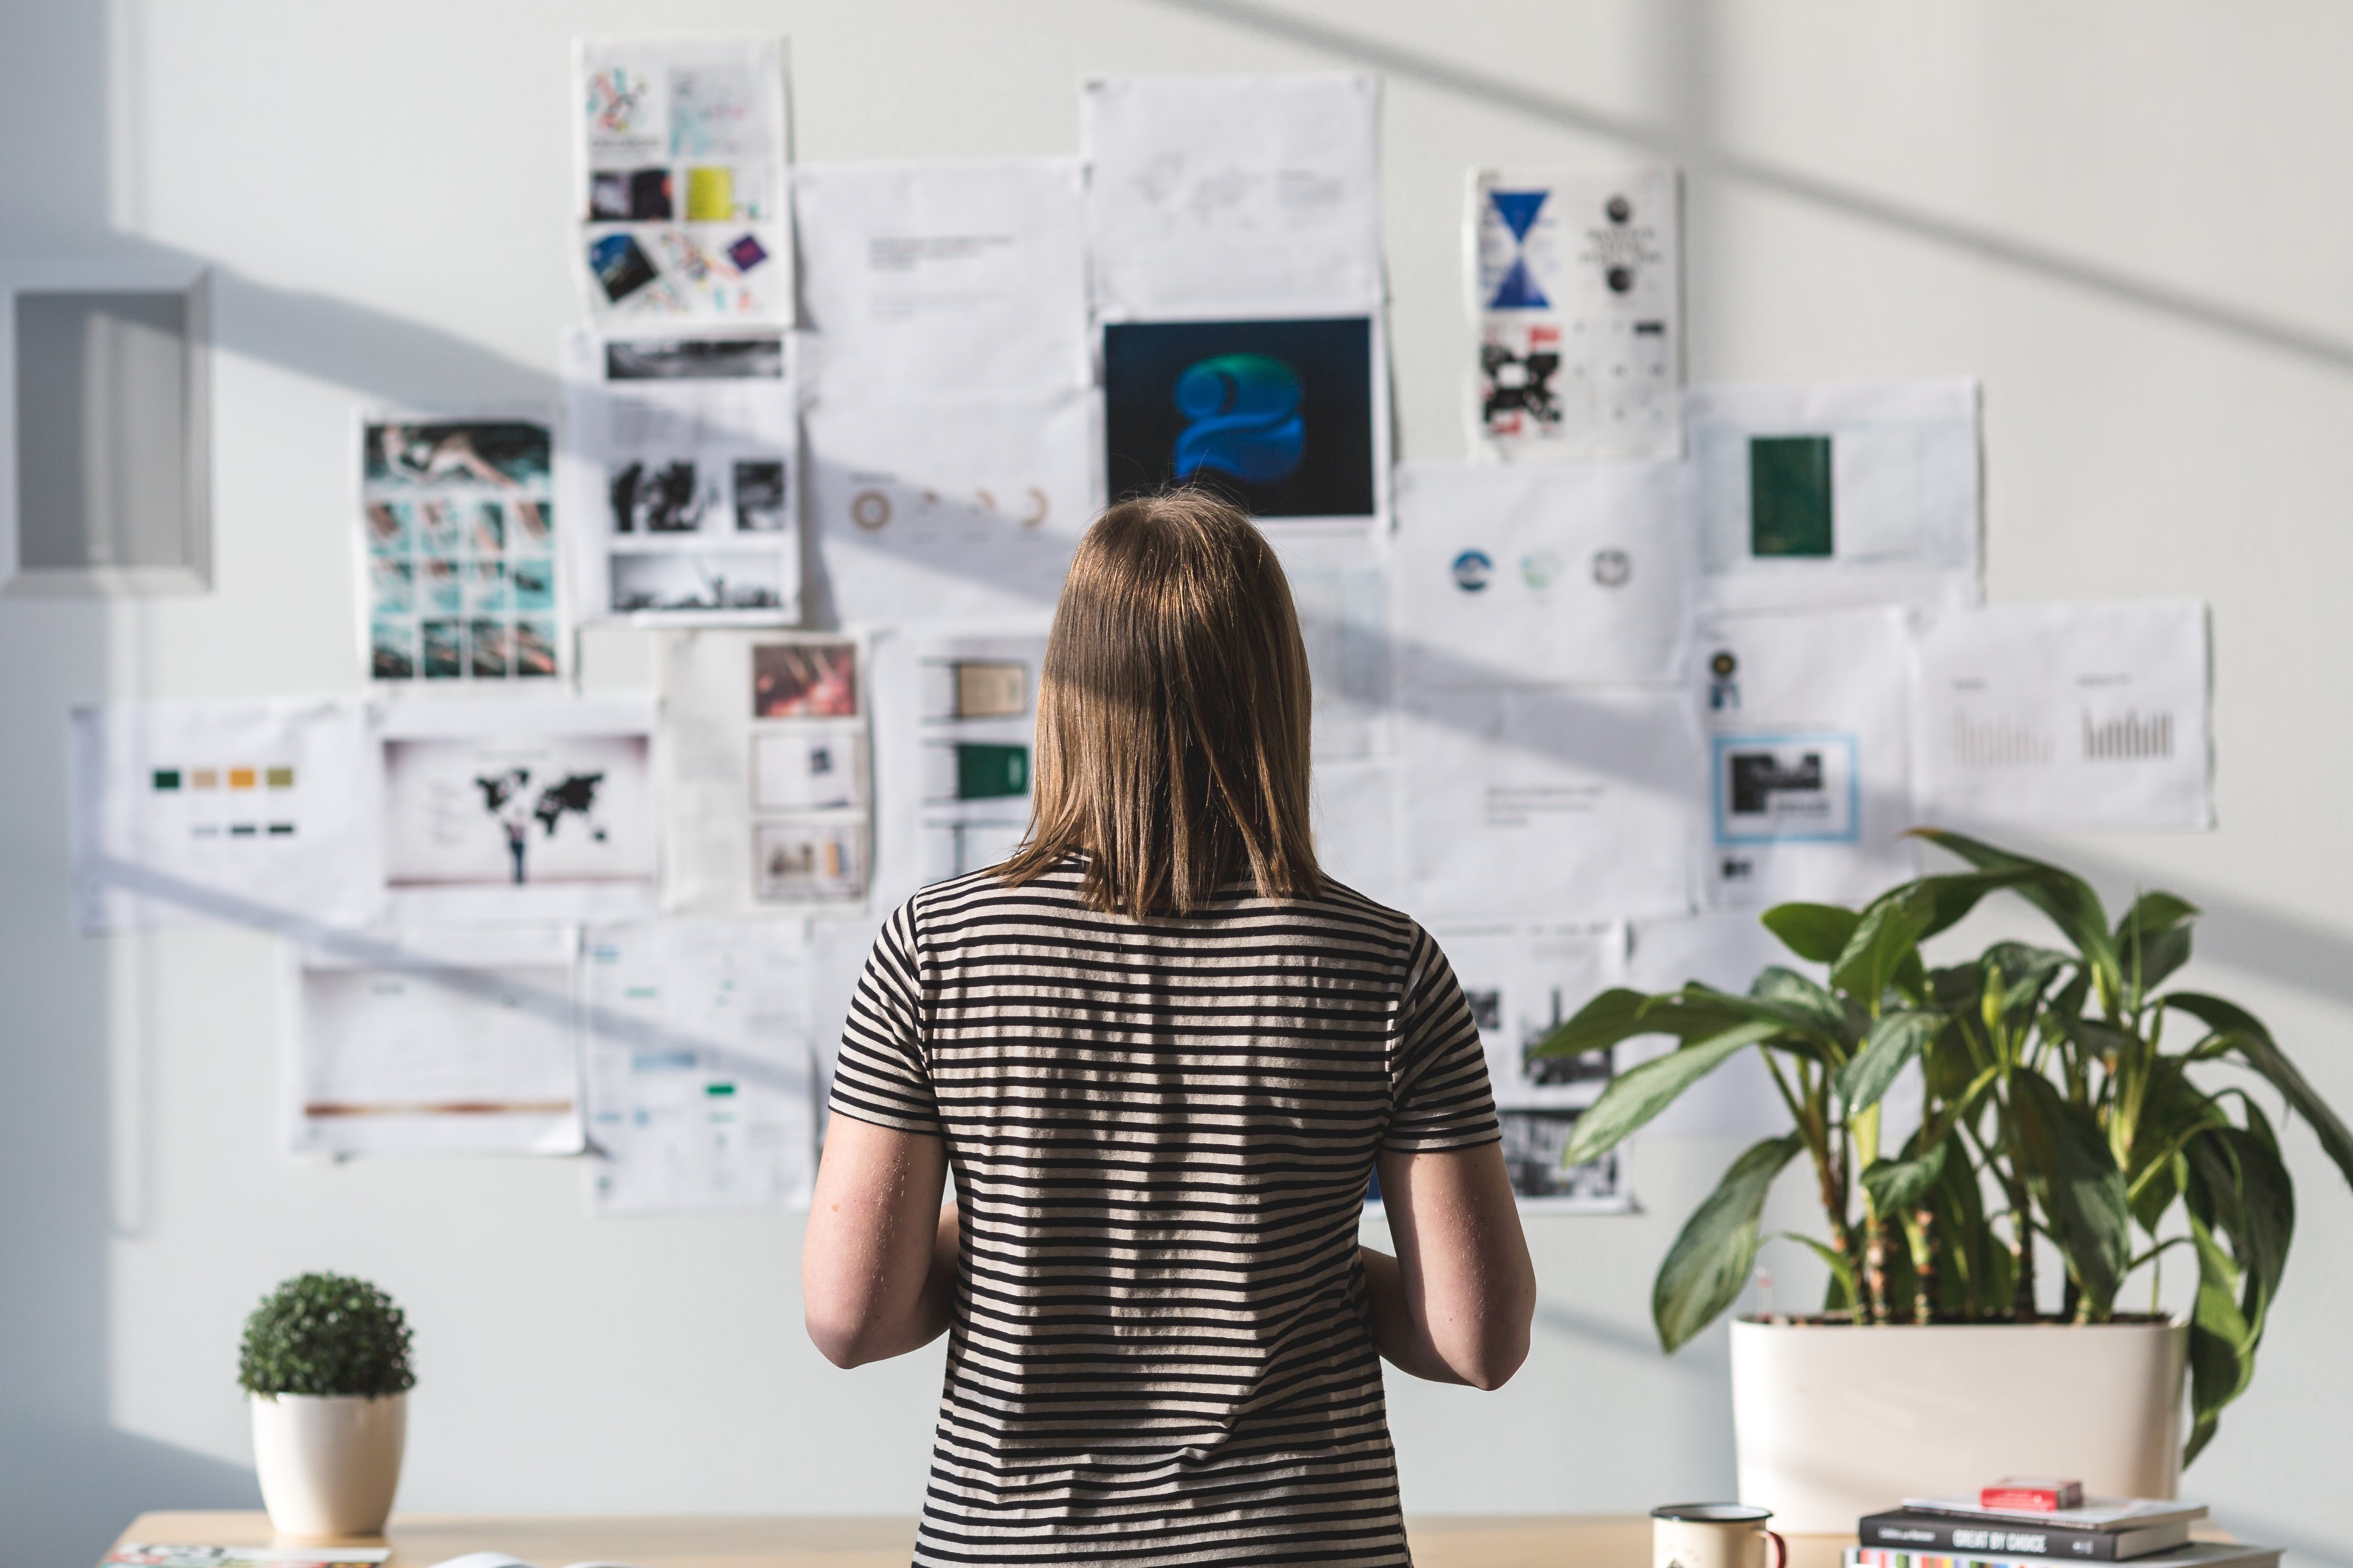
point(1714, 1535)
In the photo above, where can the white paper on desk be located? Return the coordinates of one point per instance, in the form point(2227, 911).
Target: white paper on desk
point(446, 1041)
point(256, 813)
point(1356, 824)
point(1725, 950)
point(681, 477)
point(1808, 739)
point(949, 508)
point(458, 573)
point(1577, 291)
point(1223, 193)
point(516, 809)
point(2084, 715)
point(1340, 589)
point(1548, 804)
point(680, 167)
point(1541, 574)
point(765, 772)
point(696, 1060)
point(957, 707)
point(1840, 493)
point(963, 277)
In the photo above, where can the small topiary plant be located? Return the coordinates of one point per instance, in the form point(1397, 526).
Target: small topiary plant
point(325, 1334)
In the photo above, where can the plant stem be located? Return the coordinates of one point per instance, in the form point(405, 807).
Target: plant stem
point(1875, 1270)
point(1921, 1235)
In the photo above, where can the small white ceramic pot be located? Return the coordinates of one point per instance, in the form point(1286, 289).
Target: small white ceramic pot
point(329, 1462)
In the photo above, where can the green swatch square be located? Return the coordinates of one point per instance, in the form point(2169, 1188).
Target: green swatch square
point(991, 772)
point(1789, 495)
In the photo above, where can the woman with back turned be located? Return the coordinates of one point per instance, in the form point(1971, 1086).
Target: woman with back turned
point(1163, 1053)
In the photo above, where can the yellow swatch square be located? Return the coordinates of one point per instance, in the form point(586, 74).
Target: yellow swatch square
point(240, 778)
point(710, 195)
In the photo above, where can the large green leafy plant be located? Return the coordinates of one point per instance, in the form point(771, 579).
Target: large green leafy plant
point(325, 1334)
point(2052, 1109)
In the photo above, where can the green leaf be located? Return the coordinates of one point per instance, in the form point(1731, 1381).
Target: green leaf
point(2152, 939)
point(2246, 1035)
point(1816, 932)
point(1842, 1271)
point(1634, 1098)
point(1787, 989)
point(1890, 928)
point(2065, 898)
point(2221, 1347)
point(2082, 1190)
point(1616, 1014)
point(1895, 1039)
point(2105, 1041)
point(1709, 1263)
point(1896, 1186)
point(2250, 1198)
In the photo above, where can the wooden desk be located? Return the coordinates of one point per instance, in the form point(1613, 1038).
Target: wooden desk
point(718, 1540)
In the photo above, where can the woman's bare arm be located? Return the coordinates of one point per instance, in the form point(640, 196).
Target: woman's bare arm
point(878, 1267)
point(1455, 1303)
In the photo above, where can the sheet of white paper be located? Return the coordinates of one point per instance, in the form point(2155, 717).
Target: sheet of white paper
point(448, 1041)
point(252, 812)
point(1842, 493)
point(1355, 818)
point(1339, 587)
point(764, 778)
point(1550, 805)
point(1539, 574)
point(681, 477)
point(1725, 950)
point(696, 1062)
point(1808, 739)
point(2066, 716)
point(1520, 981)
point(957, 721)
point(681, 168)
point(1234, 193)
point(1577, 291)
point(952, 508)
point(838, 948)
point(518, 808)
point(942, 279)
point(458, 576)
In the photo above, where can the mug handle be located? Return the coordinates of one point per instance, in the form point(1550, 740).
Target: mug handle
point(1781, 1548)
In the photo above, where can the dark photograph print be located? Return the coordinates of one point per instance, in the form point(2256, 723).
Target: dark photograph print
point(1277, 414)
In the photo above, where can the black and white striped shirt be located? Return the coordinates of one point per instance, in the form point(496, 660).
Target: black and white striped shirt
point(1160, 1132)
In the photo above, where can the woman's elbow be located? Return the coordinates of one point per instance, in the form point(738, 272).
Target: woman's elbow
point(1501, 1347)
point(840, 1332)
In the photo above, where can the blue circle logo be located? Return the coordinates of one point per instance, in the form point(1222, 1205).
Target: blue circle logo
point(1471, 570)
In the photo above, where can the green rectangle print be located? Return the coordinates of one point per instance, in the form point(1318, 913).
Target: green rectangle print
point(1789, 495)
point(991, 772)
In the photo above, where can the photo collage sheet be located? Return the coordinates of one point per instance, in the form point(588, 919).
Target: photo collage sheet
point(1658, 656)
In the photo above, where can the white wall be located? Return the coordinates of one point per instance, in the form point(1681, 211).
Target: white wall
point(2128, 219)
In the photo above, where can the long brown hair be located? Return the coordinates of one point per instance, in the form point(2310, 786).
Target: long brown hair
point(1173, 714)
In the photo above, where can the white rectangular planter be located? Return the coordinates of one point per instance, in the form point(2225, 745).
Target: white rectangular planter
point(1833, 1422)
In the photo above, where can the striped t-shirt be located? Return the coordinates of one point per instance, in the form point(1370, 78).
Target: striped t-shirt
point(1160, 1132)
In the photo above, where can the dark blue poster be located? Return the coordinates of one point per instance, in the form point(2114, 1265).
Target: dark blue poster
point(1277, 414)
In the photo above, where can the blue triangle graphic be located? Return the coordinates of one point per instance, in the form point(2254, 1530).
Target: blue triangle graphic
point(1518, 209)
point(1518, 291)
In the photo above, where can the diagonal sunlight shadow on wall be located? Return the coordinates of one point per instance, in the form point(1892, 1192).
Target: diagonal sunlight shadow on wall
point(1704, 158)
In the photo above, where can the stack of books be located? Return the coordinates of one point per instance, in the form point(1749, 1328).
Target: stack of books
point(1964, 1532)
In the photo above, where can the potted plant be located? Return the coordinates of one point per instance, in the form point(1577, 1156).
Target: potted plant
point(2067, 1111)
point(325, 1361)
